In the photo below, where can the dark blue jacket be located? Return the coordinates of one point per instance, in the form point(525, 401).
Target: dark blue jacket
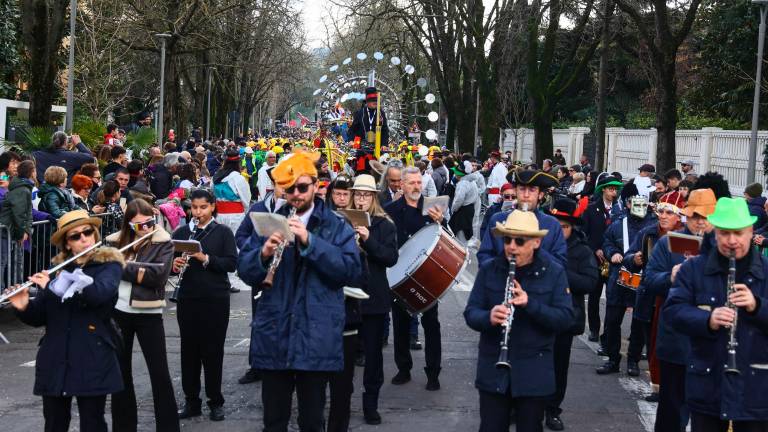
point(245, 230)
point(298, 323)
point(595, 222)
point(77, 354)
point(756, 208)
point(699, 288)
point(492, 210)
point(212, 163)
point(645, 300)
point(405, 223)
point(554, 242)
point(582, 273)
point(381, 252)
point(69, 160)
point(532, 336)
point(616, 295)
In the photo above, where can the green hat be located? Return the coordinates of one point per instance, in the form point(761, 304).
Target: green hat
point(606, 181)
point(458, 171)
point(731, 214)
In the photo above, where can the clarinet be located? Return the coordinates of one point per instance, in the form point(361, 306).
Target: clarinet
point(731, 367)
point(269, 279)
point(509, 294)
point(175, 294)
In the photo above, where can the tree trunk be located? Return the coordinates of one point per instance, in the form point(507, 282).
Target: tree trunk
point(602, 87)
point(666, 118)
point(542, 127)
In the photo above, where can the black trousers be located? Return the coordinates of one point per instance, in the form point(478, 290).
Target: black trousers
point(562, 355)
point(148, 329)
point(639, 334)
point(593, 306)
point(705, 423)
point(371, 335)
point(277, 394)
point(495, 411)
point(202, 329)
point(432, 349)
point(342, 385)
point(671, 413)
point(57, 411)
point(614, 316)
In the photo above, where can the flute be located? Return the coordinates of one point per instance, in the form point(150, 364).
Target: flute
point(270, 277)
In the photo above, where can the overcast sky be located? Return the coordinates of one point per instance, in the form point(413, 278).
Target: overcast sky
point(314, 11)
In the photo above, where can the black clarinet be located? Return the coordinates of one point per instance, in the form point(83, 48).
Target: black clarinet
point(731, 367)
point(509, 294)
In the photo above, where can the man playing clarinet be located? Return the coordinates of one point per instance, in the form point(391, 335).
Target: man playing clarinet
point(540, 306)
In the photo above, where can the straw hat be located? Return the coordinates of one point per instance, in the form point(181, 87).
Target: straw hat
point(365, 182)
point(521, 224)
point(71, 220)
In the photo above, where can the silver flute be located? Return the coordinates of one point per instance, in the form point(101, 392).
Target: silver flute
point(269, 279)
point(509, 294)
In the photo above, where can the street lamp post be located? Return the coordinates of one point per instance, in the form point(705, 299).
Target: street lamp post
point(69, 117)
point(163, 39)
point(208, 105)
point(756, 102)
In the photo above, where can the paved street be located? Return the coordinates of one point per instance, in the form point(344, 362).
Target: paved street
point(592, 404)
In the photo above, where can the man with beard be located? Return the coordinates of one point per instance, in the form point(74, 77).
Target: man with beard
point(296, 336)
point(406, 213)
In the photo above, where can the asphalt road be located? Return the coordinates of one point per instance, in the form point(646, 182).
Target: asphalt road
point(593, 403)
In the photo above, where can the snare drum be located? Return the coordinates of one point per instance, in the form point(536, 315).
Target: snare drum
point(429, 263)
point(627, 279)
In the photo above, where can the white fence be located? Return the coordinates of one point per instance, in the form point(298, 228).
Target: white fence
point(710, 149)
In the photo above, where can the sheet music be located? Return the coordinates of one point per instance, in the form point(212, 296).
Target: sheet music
point(266, 224)
point(440, 202)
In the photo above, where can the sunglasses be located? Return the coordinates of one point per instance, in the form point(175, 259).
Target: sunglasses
point(519, 241)
point(76, 236)
point(4, 177)
point(138, 226)
point(302, 188)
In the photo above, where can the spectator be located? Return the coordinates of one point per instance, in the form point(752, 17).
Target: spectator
point(439, 174)
point(135, 172)
point(558, 158)
point(212, 161)
point(8, 162)
point(160, 178)
point(187, 175)
point(91, 170)
point(122, 177)
point(60, 154)
point(264, 182)
point(673, 177)
point(16, 215)
point(109, 137)
point(563, 174)
point(108, 199)
point(584, 164)
point(546, 166)
point(577, 186)
point(589, 188)
point(756, 202)
point(4, 182)
point(118, 158)
point(684, 188)
point(81, 189)
point(428, 186)
point(55, 199)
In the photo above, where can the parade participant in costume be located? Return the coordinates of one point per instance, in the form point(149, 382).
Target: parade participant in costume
point(406, 213)
point(139, 313)
point(619, 298)
point(583, 274)
point(78, 355)
point(204, 292)
point(508, 201)
point(339, 194)
point(529, 190)
point(497, 178)
point(463, 204)
point(541, 306)
point(647, 305)
point(296, 337)
point(379, 242)
point(233, 195)
point(391, 184)
point(264, 181)
point(597, 219)
point(364, 121)
point(672, 347)
point(703, 305)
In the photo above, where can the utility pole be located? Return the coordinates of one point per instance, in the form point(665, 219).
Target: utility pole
point(69, 117)
point(163, 39)
point(208, 104)
point(756, 103)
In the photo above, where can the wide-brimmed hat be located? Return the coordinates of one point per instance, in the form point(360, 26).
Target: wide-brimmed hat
point(364, 182)
point(532, 178)
point(377, 167)
point(608, 180)
point(570, 211)
point(458, 170)
point(701, 201)
point(519, 224)
point(70, 220)
point(731, 214)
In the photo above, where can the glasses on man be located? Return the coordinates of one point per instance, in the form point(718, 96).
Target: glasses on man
point(76, 236)
point(519, 241)
point(302, 188)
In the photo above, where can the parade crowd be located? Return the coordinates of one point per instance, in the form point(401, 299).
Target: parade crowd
point(675, 249)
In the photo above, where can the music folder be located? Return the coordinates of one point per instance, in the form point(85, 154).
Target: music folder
point(684, 244)
point(357, 217)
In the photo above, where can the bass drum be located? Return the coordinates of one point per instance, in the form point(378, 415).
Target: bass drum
point(429, 263)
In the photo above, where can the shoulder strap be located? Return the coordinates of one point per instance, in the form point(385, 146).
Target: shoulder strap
point(625, 233)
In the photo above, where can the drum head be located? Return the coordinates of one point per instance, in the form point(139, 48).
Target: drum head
point(413, 253)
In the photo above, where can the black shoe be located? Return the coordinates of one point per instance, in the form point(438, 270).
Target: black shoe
point(602, 352)
point(217, 413)
point(433, 384)
point(415, 344)
point(554, 422)
point(632, 368)
point(250, 376)
point(401, 378)
point(610, 367)
point(234, 290)
point(372, 417)
point(190, 410)
point(653, 397)
point(360, 360)
point(593, 337)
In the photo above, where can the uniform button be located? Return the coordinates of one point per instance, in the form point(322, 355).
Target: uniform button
point(712, 299)
point(535, 273)
point(707, 370)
